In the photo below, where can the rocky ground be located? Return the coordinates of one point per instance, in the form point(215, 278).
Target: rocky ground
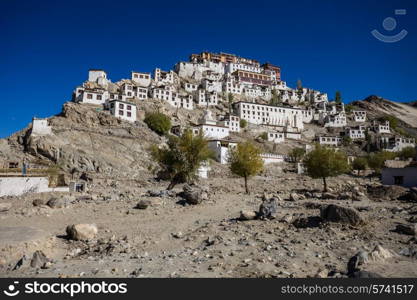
point(142, 232)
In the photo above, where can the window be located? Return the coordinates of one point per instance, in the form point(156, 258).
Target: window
point(129, 114)
point(98, 97)
point(121, 106)
point(120, 112)
point(89, 96)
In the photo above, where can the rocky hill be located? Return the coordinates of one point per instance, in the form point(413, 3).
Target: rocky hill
point(377, 107)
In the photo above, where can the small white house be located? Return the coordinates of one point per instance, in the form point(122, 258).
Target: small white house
point(270, 158)
point(142, 79)
point(233, 122)
point(402, 173)
point(97, 76)
point(381, 128)
point(359, 116)
point(205, 98)
point(276, 137)
point(123, 110)
point(190, 87)
point(210, 128)
point(356, 133)
point(329, 140)
point(221, 149)
point(95, 96)
point(40, 127)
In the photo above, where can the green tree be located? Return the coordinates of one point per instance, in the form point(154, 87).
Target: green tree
point(348, 108)
point(377, 160)
point(297, 154)
point(324, 162)
point(246, 161)
point(338, 97)
point(408, 152)
point(182, 157)
point(360, 164)
point(243, 123)
point(158, 122)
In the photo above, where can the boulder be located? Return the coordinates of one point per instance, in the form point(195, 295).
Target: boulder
point(340, 214)
point(407, 229)
point(143, 204)
point(246, 215)
point(38, 202)
point(194, 194)
point(39, 260)
point(386, 192)
point(380, 254)
point(58, 202)
point(5, 206)
point(80, 232)
point(296, 197)
point(268, 208)
point(329, 196)
point(411, 195)
point(308, 222)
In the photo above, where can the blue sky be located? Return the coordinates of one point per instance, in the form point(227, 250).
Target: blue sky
point(47, 47)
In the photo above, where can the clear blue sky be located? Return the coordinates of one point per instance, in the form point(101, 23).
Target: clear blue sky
point(47, 47)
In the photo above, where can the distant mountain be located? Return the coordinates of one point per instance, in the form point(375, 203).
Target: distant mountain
point(377, 106)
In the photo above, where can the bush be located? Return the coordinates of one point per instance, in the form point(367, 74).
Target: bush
point(183, 156)
point(264, 136)
point(406, 153)
point(243, 123)
point(158, 122)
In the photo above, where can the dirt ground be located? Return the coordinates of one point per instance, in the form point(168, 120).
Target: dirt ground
point(170, 239)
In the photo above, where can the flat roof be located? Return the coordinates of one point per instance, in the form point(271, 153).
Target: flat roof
point(269, 105)
point(126, 102)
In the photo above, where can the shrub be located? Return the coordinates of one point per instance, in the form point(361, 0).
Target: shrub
point(158, 122)
point(243, 123)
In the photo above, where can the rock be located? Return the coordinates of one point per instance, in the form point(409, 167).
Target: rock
point(39, 259)
point(386, 192)
point(20, 263)
point(58, 202)
point(322, 274)
point(177, 235)
point(268, 209)
point(380, 254)
point(161, 193)
point(411, 195)
point(340, 214)
point(143, 204)
point(308, 222)
point(5, 206)
point(407, 229)
point(246, 215)
point(296, 197)
point(194, 194)
point(412, 219)
point(79, 232)
point(38, 202)
point(410, 252)
point(329, 196)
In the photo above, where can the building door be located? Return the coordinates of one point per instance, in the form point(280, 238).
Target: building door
point(399, 180)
